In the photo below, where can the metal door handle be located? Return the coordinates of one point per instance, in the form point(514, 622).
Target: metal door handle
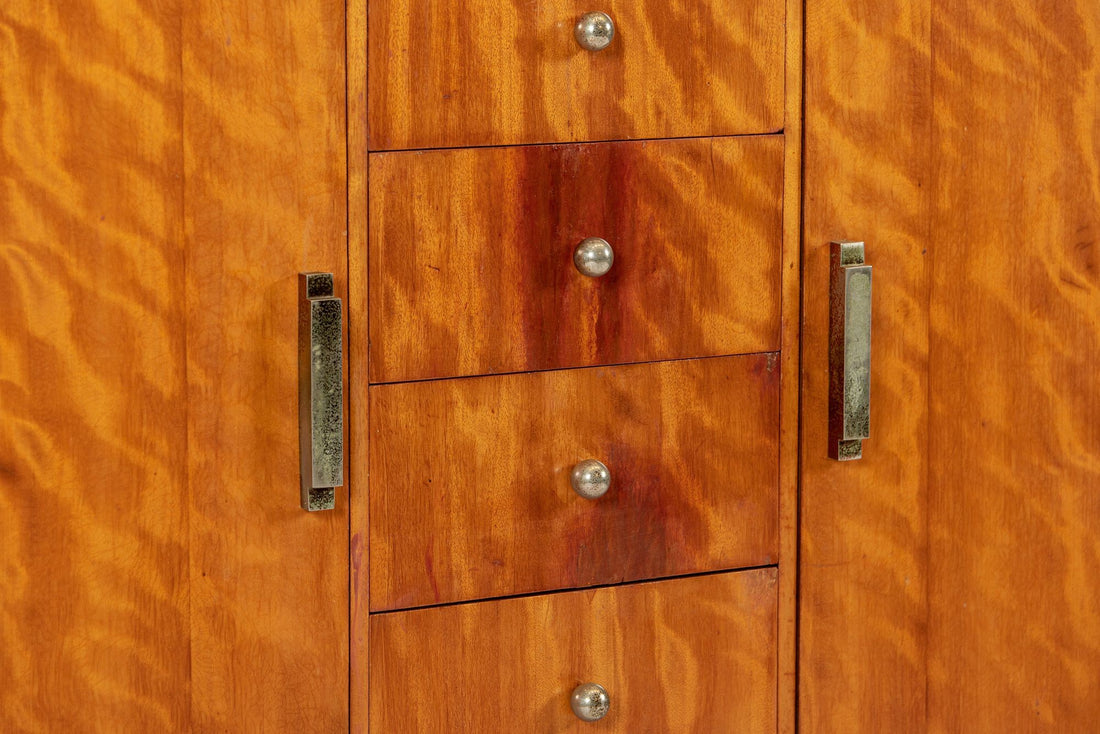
point(320, 391)
point(849, 351)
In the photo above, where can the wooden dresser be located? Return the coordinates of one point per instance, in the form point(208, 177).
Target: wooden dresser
point(573, 359)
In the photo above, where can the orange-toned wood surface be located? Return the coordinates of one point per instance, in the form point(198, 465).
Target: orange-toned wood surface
point(356, 418)
point(94, 625)
point(1014, 484)
point(264, 139)
point(789, 387)
point(470, 479)
point(471, 255)
point(693, 654)
point(982, 589)
point(501, 73)
point(867, 176)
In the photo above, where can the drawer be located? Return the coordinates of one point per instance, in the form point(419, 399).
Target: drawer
point(471, 264)
point(684, 655)
point(471, 491)
point(486, 72)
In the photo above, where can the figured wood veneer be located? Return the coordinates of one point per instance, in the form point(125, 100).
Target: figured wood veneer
point(950, 580)
point(685, 655)
point(867, 160)
point(471, 255)
point(1014, 369)
point(94, 617)
point(470, 494)
point(166, 169)
point(505, 72)
point(265, 192)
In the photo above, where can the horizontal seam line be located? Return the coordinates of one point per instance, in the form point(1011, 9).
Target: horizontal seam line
point(673, 360)
point(382, 151)
point(555, 592)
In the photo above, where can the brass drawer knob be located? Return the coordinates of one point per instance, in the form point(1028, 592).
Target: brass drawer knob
point(590, 702)
point(591, 479)
point(593, 257)
point(594, 31)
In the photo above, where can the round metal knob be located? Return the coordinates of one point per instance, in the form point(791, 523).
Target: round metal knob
point(591, 479)
point(590, 702)
point(593, 257)
point(594, 31)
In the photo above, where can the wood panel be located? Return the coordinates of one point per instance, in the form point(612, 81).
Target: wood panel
point(265, 146)
point(692, 654)
point(867, 168)
point(93, 471)
point(470, 479)
point(500, 73)
point(471, 255)
point(1014, 506)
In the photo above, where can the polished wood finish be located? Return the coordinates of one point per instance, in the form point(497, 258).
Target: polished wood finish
point(471, 255)
point(867, 173)
point(502, 73)
point(693, 654)
point(94, 619)
point(264, 142)
point(356, 417)
point(789, 365)
point(1014, 498)
point(974, 552)
point(470, 479)
point(169, 183)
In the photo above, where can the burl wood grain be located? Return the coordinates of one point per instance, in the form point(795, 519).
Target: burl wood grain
point(687, 655)
point(265, 144)
point(867, 174)
point(470, 479)
point(471, 255)
point(1014, 497)
point(94, 618)
point(496, 73)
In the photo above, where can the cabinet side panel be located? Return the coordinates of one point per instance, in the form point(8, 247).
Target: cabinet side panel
point(1014, 483)
point(863, 523)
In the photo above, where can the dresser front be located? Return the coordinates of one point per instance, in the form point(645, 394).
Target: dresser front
point(573, 354)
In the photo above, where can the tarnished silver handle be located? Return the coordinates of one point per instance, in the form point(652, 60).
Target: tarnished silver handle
point(849, 351)
point(320, 391)
point(590, 702)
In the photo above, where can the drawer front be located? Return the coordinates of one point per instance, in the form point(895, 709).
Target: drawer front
point(472, 255)
point(471, 492)
point(684, 655)
point(490, 72)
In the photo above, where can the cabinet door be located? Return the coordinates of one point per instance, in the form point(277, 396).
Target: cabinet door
point(167, 170)
point(951, 578)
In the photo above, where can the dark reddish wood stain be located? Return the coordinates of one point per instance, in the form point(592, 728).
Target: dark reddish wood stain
point(471, 255)
point(474, 475)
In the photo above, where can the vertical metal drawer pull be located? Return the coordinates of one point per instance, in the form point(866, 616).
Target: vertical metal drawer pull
point(320, 391)
point(849, 351)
